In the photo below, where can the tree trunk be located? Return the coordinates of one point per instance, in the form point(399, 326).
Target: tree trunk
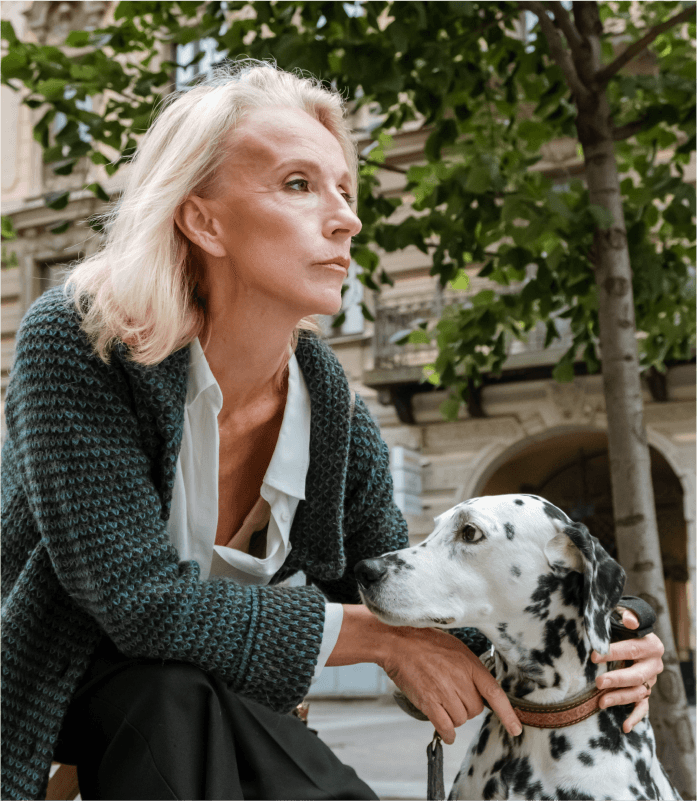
point(630, 464)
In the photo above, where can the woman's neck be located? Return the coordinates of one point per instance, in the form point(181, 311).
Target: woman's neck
point(247, 350)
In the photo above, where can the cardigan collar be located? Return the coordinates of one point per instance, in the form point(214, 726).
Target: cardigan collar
point(159, 394)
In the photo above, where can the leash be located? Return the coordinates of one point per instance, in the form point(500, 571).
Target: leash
point(434, 754)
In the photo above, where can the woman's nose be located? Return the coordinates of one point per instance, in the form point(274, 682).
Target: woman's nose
point(342, 219)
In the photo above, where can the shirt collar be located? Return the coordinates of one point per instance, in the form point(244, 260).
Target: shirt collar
point(201, 379)
point(287, 470)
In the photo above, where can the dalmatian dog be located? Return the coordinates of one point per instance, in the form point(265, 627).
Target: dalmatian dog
point(542, 589)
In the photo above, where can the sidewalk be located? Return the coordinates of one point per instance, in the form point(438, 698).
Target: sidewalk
point(385, 746)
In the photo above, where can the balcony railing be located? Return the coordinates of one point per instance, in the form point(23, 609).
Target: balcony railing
point(395, 317)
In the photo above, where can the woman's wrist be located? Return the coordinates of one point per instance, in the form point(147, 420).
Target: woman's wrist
point(363, 638)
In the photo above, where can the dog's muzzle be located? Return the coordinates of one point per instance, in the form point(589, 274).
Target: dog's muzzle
point(369, 572)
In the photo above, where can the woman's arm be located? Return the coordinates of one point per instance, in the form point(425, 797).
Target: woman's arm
point(84, 471)
point(436, 671)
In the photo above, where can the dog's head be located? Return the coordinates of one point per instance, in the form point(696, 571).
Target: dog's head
point(492, 561)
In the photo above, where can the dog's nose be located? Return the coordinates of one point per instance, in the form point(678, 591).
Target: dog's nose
point(370, 571)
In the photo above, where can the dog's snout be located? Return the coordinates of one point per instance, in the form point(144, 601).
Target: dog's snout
point(370, 571)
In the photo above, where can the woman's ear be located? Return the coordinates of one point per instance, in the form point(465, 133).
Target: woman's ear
point(195, 220)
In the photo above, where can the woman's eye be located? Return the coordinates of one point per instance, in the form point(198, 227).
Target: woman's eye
point(350, 199)
point(471, 533)
point(298, 184)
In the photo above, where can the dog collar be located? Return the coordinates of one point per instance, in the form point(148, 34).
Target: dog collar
point(566, 713)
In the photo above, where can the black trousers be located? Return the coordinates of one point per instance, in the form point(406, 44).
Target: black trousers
point(144, 729)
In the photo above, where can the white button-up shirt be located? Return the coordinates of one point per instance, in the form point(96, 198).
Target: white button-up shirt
point(194, 515)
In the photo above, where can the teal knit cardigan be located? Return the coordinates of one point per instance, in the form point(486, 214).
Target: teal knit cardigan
point(87, 475)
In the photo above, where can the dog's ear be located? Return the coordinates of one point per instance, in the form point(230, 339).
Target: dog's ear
point(576, 549)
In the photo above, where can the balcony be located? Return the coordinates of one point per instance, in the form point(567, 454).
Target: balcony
point(398, 369)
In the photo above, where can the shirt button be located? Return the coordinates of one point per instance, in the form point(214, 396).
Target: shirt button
point(285, 515)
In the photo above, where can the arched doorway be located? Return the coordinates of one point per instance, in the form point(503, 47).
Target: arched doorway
point(572, 470)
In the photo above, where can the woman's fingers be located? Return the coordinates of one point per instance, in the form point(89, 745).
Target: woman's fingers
point(490, 689)
point(446, 720)
point(648, 647)
point(627, 695)
point(640, 711)
point(446, 681)
point(629, 619)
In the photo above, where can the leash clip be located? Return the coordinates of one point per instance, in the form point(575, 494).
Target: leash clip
point(434, 754)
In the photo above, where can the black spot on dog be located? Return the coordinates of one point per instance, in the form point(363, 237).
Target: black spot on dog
point(516, 772)
point(510, 530)
point(515, 571)
point(551, 650)
point(525, 686)
point(470, 772)
point(557, 679)
point(559, 744)
point(483, 740)
point(542, 596)
point(611, 736)
point(398, 562)
point(519, 502)
point(491, 789)
point(506, 684)
point(647, 783)
point(586, 759)
point(422, 545)
point(554, 513)
point(570, 795)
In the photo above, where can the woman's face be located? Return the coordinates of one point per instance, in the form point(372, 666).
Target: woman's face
point(285, 214)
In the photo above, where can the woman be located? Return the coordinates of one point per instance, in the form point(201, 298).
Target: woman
point(178, 444)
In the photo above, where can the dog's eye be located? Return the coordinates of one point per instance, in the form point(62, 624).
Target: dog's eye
point(471, 533)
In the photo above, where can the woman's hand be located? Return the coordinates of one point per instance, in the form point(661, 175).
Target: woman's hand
point(445, 680)
point(645, 653)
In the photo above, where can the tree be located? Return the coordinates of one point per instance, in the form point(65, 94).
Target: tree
point(493, 83)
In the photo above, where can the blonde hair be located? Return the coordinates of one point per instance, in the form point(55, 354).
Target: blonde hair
point(140, 288)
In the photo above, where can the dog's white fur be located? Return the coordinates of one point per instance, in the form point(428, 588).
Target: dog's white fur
point(511, 567)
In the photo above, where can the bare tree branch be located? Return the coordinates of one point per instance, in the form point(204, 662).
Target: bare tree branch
point(604, 75)
point(387, 167)
point(573, 37)
point(560, 54)
point(625, 131)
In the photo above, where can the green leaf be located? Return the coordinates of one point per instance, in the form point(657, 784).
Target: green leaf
point(8, 228)
point(431, 374)
point(57, 200)
point(13, 64)
point(97, 191)
point(128, 9)
point(483, 298)
point(52, 88)
point(61, 227)
point(461, 282)
point(78, 39)
point(64, 167)
point(8, 32)
point(367, 313)
point(563, 372)
point(98, 158)
point(419, 337)
point(450, 408)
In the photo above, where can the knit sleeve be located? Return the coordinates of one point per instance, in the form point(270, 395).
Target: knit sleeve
point(79, 460)
point(373, 525)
